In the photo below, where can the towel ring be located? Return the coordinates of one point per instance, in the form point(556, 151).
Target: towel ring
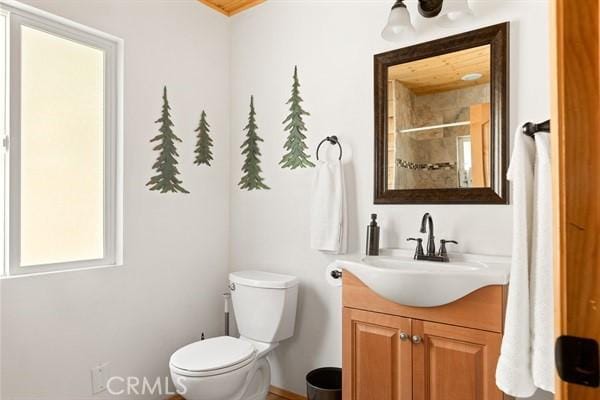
point(333, 140)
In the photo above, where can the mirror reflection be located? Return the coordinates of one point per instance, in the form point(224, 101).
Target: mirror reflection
point(439, 121)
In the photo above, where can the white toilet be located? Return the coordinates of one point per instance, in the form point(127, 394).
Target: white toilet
point(226, 368)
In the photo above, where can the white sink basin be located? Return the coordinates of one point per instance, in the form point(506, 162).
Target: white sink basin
point(398, 278)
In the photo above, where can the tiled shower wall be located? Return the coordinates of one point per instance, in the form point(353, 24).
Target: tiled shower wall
point(428, 159)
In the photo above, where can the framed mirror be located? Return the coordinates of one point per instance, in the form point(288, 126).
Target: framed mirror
point(441, 117)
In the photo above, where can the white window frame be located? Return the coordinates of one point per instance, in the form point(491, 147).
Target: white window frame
point(19, 15)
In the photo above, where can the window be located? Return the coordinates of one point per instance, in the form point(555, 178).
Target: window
point(62, 164)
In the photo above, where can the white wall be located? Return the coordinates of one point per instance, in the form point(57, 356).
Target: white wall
point(56, 327)
point(333, 43)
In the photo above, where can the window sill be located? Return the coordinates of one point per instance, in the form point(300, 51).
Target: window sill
point(58, 271)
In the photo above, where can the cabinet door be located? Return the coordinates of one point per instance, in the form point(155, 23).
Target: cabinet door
point(376, 356)
point(454, 363)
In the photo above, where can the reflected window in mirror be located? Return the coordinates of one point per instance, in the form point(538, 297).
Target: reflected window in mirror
point(463, 155)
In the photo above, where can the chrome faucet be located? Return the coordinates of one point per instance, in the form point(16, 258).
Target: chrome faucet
point(428, 220)
point(430, 254)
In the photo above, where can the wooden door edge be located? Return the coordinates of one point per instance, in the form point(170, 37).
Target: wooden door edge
point(558, 174)
point(557, 50)
point(569, 35)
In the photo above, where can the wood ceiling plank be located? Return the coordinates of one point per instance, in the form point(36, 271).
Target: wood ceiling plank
point(214, 6)
point(436, 75)
point(242, 6)
point(231, 7)
point(444, 72)
point(220, 3)
point(432, 66)
point(444, 88)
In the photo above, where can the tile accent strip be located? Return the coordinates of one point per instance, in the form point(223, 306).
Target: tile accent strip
point(425, 167)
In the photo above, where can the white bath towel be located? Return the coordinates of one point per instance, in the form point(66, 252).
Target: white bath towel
point(328, 222)
point(542, 273)
point(513, 373)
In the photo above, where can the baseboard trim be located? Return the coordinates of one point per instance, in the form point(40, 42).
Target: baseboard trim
point(286, 394)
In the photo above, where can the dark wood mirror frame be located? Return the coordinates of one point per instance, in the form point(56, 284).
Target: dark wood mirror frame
point(497, 36)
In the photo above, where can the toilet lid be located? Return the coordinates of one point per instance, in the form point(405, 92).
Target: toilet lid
point(212, 354)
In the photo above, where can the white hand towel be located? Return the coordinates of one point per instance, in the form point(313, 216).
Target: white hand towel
point(328, 222)
point(542, 273)
point(513, 373)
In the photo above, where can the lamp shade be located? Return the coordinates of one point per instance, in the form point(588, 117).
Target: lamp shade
point(398, 23)
point(455, 9)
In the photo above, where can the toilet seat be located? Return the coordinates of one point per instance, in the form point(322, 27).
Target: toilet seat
point(213, 356)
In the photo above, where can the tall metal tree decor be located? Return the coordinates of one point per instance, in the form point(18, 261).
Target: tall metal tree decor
point(204, 143)
point(251, 179)
point(166, 164)
point(296, 148)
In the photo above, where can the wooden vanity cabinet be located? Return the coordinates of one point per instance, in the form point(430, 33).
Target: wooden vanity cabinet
point(394, 352)
point(380, 361)
point(452, 362)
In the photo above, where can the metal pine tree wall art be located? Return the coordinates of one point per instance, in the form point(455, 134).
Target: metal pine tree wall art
point(204, 142)
point(251, 178)
point(296, 155)
point(166, 179)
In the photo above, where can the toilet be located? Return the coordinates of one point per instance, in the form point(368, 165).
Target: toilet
point(228, 368)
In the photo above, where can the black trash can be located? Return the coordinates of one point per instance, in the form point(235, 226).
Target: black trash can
point(324, 384)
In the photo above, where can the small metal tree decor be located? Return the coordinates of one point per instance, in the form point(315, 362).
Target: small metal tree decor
point(251, 179)
point(204, 143)
point(296, 148)
point(166, 164)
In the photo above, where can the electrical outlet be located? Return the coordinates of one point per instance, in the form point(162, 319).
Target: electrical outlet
point(99, 378)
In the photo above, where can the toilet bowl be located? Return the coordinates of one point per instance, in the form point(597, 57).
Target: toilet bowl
point(227, 368)
point(221, 368)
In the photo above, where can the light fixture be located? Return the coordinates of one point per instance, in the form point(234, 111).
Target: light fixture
point(398, 22)
point(473, 76)
point(453, 10)
point(430, 8)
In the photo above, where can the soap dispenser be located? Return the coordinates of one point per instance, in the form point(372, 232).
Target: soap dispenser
point(373, 237)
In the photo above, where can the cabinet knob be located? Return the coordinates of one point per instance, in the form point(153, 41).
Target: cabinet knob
point(417, 339)
point(404, 336)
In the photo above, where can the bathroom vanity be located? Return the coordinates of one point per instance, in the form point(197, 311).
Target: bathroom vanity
point(423, 325)
point(397, 352)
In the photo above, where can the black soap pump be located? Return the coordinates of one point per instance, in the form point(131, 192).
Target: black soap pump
point(373, 237)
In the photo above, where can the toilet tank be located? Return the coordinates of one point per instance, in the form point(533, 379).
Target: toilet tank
point(264, 304)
